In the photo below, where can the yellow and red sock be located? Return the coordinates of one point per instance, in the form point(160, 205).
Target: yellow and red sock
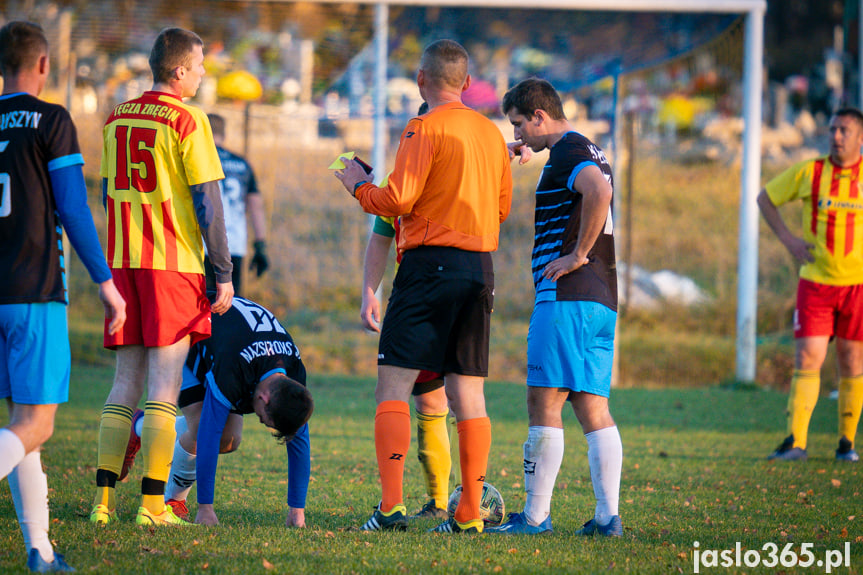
point(802, 398)
point(157, 450)
point(114, 428)
point(474, 436)
point(850, 405)
point(392, 441)
point(434, 455)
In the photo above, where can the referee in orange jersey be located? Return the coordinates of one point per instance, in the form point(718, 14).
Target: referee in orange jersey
point(452, 187)
point(830, 289)
point(160, 180)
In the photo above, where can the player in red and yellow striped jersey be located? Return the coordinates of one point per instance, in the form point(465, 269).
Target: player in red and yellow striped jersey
point(830, 290)
point(160, 181)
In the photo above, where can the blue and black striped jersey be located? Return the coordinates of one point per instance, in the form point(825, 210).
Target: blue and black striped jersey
point(248, 344)
point(557, 222)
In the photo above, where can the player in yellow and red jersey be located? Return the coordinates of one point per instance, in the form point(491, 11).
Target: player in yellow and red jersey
point(160, 180)
point(830, 289)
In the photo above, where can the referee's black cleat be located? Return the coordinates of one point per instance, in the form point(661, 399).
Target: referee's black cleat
point(393, 520)
point(453, 526)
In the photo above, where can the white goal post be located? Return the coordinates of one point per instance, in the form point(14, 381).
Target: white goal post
point(753, 54)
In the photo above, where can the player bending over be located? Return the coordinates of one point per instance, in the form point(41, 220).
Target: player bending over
point(249, 365)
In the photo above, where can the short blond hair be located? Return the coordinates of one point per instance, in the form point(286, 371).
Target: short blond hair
point(444, 63)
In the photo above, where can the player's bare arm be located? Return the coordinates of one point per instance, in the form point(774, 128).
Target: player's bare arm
point(115, 306)
point(374, 265)
point(596, 203)
point(799, 249)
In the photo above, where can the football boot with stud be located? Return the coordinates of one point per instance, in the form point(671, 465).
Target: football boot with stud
point(516, 524)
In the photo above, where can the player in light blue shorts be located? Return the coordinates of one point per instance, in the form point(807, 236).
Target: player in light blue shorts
point(571, 345)
point(43, 192)
point(35, 349)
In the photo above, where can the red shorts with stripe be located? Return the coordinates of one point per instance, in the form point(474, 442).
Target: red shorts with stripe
point(825, 310)
point(162, 307)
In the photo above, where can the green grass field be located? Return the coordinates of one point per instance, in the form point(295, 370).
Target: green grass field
point(694, 470)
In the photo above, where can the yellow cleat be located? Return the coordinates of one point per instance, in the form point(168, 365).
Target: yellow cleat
point(101, 515)
point(166, 517)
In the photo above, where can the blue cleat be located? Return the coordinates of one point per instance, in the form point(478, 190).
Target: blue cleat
point(614, 528)
point(787, 452)
point(38, 565)
point(516, 524)
point(846, 451)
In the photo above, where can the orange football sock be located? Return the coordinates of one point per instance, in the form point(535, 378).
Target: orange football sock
point(392, 441)
point(474, 439)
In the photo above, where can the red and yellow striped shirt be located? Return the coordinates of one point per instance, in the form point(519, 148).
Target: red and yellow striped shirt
point(833, 200)
point(155, 148)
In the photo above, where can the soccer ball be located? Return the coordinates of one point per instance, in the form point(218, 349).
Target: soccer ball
point(491, 508)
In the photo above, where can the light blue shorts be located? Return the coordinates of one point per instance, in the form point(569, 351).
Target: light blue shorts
point(570, 344)
point(35, 360)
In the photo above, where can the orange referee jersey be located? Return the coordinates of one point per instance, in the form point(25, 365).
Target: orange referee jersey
point(155, 147)
point(451, 185)
point(832, 202)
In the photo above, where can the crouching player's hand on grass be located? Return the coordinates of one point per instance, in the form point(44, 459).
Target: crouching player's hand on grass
point(296, 517)
point(206, 515)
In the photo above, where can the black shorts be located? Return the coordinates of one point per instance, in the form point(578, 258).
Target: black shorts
point(424, 385)
point(439, 312)
point(191, 395)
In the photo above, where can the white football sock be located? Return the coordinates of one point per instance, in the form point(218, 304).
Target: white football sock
point(182, 474)
point(12, 451)
point(543, 453)
point(180, 425)
point(29, 487)
point(605, 456)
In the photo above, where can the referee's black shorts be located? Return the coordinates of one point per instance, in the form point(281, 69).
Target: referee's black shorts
point(439, 312)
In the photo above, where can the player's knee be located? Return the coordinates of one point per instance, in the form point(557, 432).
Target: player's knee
point(230, 444)
point(42, 432)
point(432, 402)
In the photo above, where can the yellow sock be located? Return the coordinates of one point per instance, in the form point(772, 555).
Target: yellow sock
point(850, 405)
point(434, 455)
point(157, 450)
point(453, 449)
point(805, 386)
point(113, 437)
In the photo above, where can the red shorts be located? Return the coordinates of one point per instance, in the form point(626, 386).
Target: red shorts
point(825, 310)
point(162, 307)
